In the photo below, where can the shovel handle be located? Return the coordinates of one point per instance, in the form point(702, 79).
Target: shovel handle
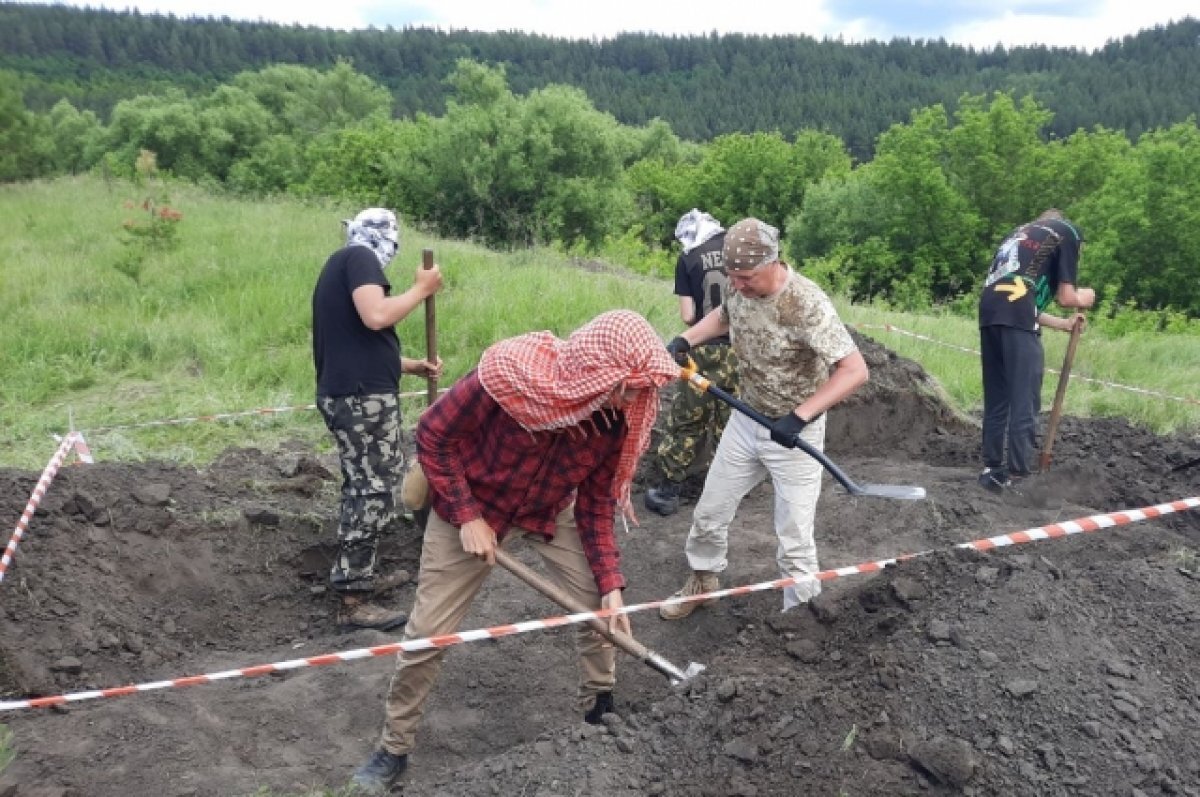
point(891, 491)
point(689, 373)
point(430, 330)
point(1064, 378)
point(618, 638)
point(559, 596)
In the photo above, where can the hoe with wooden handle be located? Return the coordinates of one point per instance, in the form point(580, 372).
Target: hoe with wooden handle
point(618, 638)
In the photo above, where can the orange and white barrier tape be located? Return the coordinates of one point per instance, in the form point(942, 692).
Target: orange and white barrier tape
point(1079, 526)
point(82, 450)
point(1116, 385)
point(31, 506)
point(222, 416)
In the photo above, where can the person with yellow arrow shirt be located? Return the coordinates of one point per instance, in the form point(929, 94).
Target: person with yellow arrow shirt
point(1036, 263)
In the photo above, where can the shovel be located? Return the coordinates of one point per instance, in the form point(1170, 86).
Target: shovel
point(894, 491)
point(1064, 377)
point(619, 638)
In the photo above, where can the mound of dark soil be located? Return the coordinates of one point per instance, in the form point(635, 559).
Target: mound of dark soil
point(1062, 667)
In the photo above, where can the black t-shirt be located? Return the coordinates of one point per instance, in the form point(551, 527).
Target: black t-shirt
point(1026, 271)
point(351, 358)
point(700, 274)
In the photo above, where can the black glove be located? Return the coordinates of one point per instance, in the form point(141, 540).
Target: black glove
point(679, 348)
point(786, 430)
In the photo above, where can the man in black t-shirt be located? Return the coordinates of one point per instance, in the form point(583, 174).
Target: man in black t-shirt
point(1038, 262)
point(358, 363)
point(700, 284)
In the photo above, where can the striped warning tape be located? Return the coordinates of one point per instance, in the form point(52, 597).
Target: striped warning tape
point(81, 448)
point(1079, 526)
point(31, 506)
point(221, 416)
point(1117, 385)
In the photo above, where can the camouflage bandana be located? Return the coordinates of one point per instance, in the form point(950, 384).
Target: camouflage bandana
point(546, 383)
point(749, 244)
point(376, 229)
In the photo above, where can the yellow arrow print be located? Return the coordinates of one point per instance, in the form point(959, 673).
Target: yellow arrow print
point(1015, 289)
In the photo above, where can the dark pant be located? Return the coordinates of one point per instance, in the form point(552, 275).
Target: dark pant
point(1012, 396)
point(367, 431)
point(694, 415)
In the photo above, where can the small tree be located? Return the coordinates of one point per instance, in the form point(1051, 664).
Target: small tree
point(154, 229)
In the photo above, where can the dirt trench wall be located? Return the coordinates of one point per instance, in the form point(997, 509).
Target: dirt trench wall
point(897, 412)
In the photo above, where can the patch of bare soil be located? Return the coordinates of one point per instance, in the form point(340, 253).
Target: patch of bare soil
point(1066, 667)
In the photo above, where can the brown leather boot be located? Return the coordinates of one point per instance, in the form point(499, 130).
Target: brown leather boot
point(699, 582)
point(356, 613)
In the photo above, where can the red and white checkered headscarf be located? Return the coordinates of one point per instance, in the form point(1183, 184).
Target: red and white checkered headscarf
point(547, 383)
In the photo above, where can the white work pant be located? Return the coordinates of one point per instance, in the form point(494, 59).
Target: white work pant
point(745, 456)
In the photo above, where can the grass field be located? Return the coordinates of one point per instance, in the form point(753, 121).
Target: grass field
point(221, 323)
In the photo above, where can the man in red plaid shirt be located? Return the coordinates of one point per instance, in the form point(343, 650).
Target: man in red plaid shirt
point(540, 442)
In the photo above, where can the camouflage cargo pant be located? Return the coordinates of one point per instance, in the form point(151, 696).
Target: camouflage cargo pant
point(693, 415)
point(367, 431)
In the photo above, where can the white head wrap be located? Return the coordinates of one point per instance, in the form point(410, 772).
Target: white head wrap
point(695, 227)
point(376, 229)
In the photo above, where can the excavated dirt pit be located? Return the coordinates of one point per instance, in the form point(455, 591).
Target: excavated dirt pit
point(1069, 666)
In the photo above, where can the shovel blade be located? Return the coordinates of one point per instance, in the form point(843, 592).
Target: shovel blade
point(892, 491)
point(691, 671)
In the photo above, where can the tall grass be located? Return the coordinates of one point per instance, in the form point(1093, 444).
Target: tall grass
point(221, 323)
point(1165, 363)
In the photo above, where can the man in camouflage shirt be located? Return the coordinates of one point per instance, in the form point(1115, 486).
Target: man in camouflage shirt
point(358, 363)
point(795, 360)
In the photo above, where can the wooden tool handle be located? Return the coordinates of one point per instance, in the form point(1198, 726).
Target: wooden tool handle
point(556, 594)
point(1059, 395)
point(430, 329)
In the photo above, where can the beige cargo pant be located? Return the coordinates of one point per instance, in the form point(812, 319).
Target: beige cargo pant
point(745, 457)
point(448, 582)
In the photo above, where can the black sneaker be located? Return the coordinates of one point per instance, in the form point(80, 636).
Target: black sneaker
point(602, 706)
point(1018, 483)
point(379, 773)
point(994, 480)
point(663, 499)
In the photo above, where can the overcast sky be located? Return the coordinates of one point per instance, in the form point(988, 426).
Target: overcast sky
point(1086, 24)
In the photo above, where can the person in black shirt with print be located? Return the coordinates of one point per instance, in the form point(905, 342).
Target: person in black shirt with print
point(1038, 262)
point(701, 285)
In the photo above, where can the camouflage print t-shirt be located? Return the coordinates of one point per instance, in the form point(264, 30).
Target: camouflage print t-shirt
point(785, 344)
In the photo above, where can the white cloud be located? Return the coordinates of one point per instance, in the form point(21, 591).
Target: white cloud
point(819, 18)
point(1114, 20)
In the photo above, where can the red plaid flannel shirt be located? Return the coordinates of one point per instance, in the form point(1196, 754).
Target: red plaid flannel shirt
point(481, 463)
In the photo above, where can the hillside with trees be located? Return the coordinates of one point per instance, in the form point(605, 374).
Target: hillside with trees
point(703, 86)
point(913, 224)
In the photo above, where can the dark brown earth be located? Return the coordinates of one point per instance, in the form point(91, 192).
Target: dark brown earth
point(1065, 667)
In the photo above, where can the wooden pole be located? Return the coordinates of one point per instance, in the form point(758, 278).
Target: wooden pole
point(1059, 395)
point(430, 329)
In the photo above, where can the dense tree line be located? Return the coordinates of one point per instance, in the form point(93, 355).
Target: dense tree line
point(915, 224)
point(702, 86)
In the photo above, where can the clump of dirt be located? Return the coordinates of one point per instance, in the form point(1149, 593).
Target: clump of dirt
point(1062, 667)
